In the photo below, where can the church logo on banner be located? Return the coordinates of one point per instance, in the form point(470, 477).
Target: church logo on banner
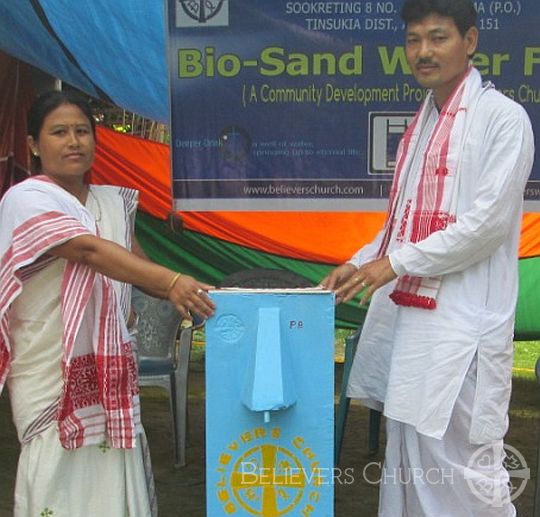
point(210, 13)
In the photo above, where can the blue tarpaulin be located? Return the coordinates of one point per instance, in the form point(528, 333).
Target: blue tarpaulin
point(114, 50)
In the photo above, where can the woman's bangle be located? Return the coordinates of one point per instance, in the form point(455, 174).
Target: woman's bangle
point(173, 281)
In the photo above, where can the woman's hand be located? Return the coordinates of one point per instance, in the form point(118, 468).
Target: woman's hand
point(116, 262)
point(191, 296)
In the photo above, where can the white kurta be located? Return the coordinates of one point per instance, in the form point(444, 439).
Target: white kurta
point(94, 479)
point(413, 361)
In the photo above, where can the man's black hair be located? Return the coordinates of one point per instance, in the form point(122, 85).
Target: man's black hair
point(461, 11)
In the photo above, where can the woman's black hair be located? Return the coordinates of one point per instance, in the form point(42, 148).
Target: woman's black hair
point(51, 100)
point(462, 12)
point(47, 102)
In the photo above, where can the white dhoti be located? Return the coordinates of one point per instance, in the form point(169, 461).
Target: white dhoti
point(448, 477)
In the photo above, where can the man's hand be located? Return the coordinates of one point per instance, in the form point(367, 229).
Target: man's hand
point(347, 281)
point(338, 276)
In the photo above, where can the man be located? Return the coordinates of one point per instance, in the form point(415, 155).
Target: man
point(436, 346)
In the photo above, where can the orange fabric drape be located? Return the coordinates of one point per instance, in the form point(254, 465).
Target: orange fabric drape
point(529, 245)
point(328, 237)
point(133, 162)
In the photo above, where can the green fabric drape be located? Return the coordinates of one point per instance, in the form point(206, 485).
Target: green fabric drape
point(528, 307)
point(209, 259)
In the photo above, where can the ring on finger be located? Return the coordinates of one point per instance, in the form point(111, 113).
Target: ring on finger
point(362, 283)
point(200, 291)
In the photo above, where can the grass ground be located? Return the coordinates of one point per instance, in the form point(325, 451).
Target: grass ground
point(526, 353)
point(182, 491)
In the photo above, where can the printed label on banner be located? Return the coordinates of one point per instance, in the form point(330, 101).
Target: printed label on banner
point(210, 13)
point(295, 108)
point(385, 132)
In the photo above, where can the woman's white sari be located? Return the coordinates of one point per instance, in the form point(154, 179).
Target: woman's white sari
point(92, 478)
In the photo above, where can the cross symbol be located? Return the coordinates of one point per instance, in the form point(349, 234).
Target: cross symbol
point(272, 488)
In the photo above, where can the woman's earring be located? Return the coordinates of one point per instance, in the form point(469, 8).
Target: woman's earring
point(35, 153)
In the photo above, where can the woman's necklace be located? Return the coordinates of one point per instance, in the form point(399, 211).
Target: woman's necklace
point(98, 205)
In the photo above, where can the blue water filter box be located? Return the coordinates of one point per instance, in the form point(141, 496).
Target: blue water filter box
point(270, 403)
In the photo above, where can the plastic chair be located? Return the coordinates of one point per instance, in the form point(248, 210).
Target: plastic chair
point(342, 411)
point(164, 347)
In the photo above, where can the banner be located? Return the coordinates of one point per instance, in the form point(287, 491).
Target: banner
point(270, 404)
point(299, 105)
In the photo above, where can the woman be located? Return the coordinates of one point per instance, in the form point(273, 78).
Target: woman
point(65, 348)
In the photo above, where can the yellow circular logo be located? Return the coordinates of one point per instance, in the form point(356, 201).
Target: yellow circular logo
point(268, 478)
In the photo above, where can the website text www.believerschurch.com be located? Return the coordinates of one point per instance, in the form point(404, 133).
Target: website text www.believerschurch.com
point(284, 189)
point(532, 193)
